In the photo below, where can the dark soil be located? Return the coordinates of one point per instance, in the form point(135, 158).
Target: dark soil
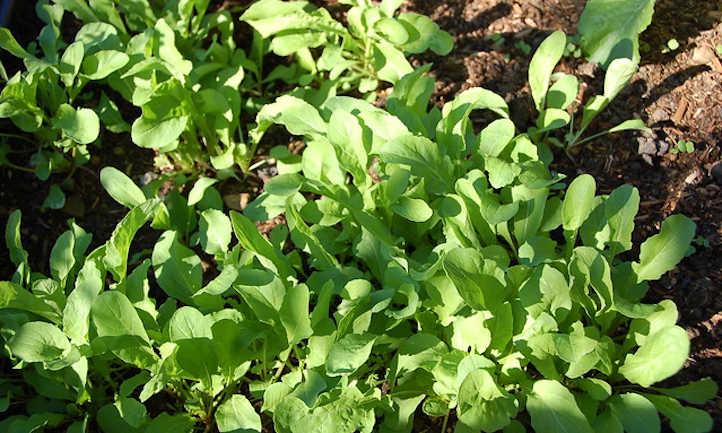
point(678, 94)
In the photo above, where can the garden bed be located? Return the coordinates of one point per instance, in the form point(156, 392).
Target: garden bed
point(678, 94)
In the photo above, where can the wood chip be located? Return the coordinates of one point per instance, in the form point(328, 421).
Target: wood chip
point(681, 109)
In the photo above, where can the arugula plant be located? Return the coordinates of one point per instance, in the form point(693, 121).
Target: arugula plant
point(610, 29)
point(555, 95)
point(49, 99)
point(406, 282)
point(455, 293)
point(371, 49)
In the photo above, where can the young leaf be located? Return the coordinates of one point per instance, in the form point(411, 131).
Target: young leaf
point(103, 63)
point(423, 156)
point(177, 269)
point(682, 419)
point(663, 251)
point(610, 29)
point(82, 125)
point(553, 409)
point(479, 281)
point(697, 392)
point(542, 66)
point(661, 356)
point(14, 296)
point(495, 137)
point(121, 187)
point(39, 342)
point(61, 256)
point(483, 405)
point(413, 209)
point(578, 202)
point(349, 353)
point(618, 75)
point(18, 255)
point(118, 246)
point(70, 63)
point(199, 188)
point(237, 415)
point(214, 230)
point(636, 413)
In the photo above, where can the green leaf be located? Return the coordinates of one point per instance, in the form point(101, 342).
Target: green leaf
point(82, 125)
point(250, 239)
point(9, 44)
point(121, 187)
point(553, 409)
point(496, 137)
point(298, 116)
point(167, 49)
point(14, 244)
point(389, 62)
point(14, 296)
point(214, 230)
point(610, 29)
point(157, 133)
point(103, 63)
point(423, 156)
point(636, 413)
point(39, 342)
point(413, 209)
point(187, 323)
point(178, 269)
point(110, 115)
point(115, 319)
point(479, 281)
point(391, 30)
point(663, 251)
point(620, 209)
point(347, 138)
point(70, 62)
point(563, 92)
point(698, 392)
point(118, 246)
point(349, 353)
point(578, 202)
point(483, 405)
point(61, 256)
point(618, 75)
point(236, 415)
point(631, 125)
point(55, 198)
point(682, 419)
point(542, 66)
point(294, 312)
point(662, 355)
point(199, 188)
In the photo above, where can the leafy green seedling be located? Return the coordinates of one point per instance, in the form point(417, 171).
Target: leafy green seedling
point(672, 45)
point(682, 146)
point(555, 95)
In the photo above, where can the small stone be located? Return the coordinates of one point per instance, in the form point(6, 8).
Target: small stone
point(663, 147)
point(659, 115)
point(647, 146)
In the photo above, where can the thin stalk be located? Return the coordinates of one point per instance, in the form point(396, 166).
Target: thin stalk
point(444, 424)
point(18, 167)
point(590, 138)
point(18, 136)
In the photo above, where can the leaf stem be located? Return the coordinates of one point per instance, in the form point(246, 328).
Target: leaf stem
point(444, 424)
